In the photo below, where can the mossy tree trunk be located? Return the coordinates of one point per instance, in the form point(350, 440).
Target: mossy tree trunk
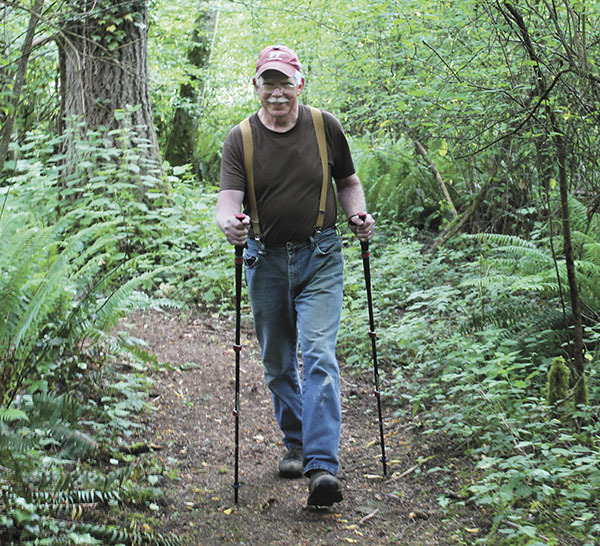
point(182, 137)
point(103, 69)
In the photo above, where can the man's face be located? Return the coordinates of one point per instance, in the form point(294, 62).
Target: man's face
point(278, 93)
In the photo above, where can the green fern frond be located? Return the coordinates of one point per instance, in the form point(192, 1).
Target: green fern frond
point(502, 240)
point(12, 444)
point(73, 442)
point(21, 253)
point(119, 301)
point(532, 269)
point(63, 495)
point(53, 522)
point(11, 415)
point(542, 283)
point(43, 299)
point(51, 408)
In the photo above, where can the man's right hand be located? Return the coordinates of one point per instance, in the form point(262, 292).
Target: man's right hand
point(230, 220)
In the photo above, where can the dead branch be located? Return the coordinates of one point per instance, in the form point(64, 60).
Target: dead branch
point(423, 152)
point(368, 517)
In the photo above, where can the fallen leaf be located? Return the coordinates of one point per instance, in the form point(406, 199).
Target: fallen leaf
point(228, 511)
point(420, 514)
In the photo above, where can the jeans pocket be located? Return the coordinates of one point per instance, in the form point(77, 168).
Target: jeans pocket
point(251, 256)
point(329, 245)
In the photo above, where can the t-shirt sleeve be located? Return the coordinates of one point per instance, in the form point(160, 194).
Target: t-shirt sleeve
point(343, 166)
point(233, 174)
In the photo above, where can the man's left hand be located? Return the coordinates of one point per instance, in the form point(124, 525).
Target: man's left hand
point(362, 225)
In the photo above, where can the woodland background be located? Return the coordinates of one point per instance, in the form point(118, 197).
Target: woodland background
point(474, 127)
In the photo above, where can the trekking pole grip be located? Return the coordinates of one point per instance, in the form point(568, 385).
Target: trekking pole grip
point(239, 249)
point(364, 245)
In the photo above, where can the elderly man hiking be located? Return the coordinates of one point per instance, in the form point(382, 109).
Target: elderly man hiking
point(277, 167)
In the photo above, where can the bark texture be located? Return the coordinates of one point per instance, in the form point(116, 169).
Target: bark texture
point(103, 69)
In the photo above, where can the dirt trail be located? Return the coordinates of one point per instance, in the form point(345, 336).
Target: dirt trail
point(194, 423)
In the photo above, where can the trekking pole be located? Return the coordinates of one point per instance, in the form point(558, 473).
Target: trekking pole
point(237, 347)
point(365, 255)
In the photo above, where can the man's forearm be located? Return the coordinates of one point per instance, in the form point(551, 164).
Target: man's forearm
point(351, 195)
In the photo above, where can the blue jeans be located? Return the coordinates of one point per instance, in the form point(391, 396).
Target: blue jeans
point(296, 295)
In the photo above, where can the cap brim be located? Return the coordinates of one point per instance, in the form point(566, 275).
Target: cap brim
point(286, 69)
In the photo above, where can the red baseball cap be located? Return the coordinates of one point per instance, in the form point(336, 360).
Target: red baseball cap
point(277, 57)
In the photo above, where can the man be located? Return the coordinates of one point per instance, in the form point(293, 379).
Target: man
point(293, 264)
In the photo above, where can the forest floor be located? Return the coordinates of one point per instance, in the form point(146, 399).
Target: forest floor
point(193, 427)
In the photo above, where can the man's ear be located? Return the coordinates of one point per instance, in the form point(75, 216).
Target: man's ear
point(255, 83)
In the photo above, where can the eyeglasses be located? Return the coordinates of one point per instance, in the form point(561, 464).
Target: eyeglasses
point(270, 87)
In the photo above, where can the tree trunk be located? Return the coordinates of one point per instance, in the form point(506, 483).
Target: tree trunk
point(578, 348)
point(181, 141)
point(103, 70)
point(557, 139)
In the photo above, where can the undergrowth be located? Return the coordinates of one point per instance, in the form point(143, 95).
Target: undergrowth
point(465, 340)
point(466, 345)
point(77, 255)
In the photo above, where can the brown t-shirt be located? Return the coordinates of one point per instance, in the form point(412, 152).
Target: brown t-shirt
point(288, 174)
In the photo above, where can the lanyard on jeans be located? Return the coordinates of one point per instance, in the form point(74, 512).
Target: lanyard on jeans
point(248, 146)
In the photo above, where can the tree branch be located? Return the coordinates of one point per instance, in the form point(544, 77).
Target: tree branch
point(423, 152)
point(522, 123)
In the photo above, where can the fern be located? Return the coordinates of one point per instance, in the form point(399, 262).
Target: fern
point(392, 189)
point(64, 284)
point(531, 268)
point(36, 290)
point(11, 415)
point(59, 520)
point(113, 307)
point(21, 248)
point(54, 496)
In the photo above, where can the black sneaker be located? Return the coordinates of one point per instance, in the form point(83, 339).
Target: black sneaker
point(292, 464)
point(324, 489)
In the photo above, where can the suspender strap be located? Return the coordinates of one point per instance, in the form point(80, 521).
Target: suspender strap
point(248, 166)
point(317, 117)
point(248, 146)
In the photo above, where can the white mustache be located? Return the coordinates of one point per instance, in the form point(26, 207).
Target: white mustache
point(277, 100)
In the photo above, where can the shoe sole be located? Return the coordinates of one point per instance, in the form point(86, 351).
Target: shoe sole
point(291, 474)
point(324, 493)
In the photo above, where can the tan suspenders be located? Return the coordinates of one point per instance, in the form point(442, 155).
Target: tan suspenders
point(248, 153)
point(248, 146)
